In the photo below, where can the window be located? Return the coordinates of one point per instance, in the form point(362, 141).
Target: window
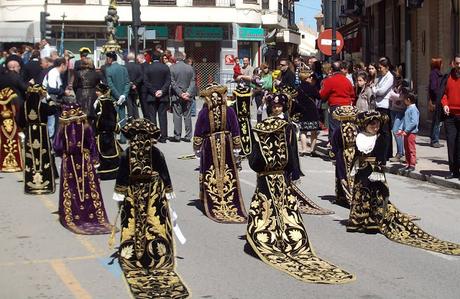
point(204, 2)
point(73, 1)
point(251, 1)
point(162, 2)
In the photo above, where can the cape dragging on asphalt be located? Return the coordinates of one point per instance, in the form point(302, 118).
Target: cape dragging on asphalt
point(147, 252)
point(275, 228)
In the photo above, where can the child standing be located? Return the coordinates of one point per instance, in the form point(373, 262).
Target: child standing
point(409, 129)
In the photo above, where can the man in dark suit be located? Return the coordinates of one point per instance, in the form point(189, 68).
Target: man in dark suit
point(157, 79)
point(141, 90)
point(33, 68)
point(183, 86)
point(135, 78)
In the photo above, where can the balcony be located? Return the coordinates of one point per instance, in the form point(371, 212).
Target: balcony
point(162, 2)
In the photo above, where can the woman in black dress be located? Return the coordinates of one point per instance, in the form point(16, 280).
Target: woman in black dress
point(85, 82)
point(309, 116)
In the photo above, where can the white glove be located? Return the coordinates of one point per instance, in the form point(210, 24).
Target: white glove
point(118, 196)
point(121, 100)
point(95, 104)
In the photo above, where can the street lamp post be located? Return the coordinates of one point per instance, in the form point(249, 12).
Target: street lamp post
point(111, 20)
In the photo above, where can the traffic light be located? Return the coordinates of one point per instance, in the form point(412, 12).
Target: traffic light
point(45, 26)
point(414, 3)
point(136, 10)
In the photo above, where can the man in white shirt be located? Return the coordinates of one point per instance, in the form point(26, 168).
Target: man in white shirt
point(45, 49)
point(56, 90)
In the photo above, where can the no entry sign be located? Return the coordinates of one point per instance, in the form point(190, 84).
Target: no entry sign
point(324, 42)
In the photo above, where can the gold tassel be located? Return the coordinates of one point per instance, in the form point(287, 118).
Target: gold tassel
point(114, 229)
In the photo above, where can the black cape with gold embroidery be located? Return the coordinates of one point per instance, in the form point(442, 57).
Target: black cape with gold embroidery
point(107, 146)
point(39, 176)
point(242, 107)
point(275, 227)
point(146, 252)
point(371, 210)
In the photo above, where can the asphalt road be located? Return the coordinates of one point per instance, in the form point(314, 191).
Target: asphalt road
point(41, 259)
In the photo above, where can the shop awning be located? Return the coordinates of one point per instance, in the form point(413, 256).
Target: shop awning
point(17, 32)
point(349, 28)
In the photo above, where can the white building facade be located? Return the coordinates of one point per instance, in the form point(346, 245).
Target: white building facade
point(209, 31)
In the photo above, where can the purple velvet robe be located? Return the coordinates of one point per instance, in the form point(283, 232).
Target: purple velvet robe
point(216, 136)
point(81, 208)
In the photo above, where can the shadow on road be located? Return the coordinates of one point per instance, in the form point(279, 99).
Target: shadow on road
point(197, 203)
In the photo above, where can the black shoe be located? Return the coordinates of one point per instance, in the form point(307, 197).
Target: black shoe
point(437, 145)
point(162, 140)
point(410, 168)
point(452, 176)
point(173, 139)
point(185, 140)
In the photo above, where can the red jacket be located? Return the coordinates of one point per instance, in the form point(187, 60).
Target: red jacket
point(451, 96)
point(337, 90)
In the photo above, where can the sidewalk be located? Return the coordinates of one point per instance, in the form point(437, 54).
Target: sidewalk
point(432, 165)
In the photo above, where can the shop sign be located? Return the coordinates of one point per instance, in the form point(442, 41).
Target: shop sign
point(161, 32)
point(253, 34)
point(203, 33)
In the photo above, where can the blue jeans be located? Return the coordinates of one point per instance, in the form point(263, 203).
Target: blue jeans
point(396, 123)
point(193, 108)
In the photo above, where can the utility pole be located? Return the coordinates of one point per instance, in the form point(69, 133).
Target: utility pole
point(408, 44)
point(334, 29)
point(136, 23)
point(61, 47)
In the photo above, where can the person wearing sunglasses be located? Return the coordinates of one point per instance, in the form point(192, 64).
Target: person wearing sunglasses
point(287, 77)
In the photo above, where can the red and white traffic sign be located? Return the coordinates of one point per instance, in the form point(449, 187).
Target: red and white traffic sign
point(324, 42)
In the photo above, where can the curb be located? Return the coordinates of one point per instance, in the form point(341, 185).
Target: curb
point(454, 184)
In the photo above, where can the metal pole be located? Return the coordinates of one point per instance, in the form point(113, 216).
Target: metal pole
point(334, 25)
point(136, 39)
point(61, 47)
point(408, 50)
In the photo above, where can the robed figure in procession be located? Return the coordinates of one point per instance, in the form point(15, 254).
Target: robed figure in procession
point(106, 129)
point(217, 142)
point(81, 207)
point(39, 171)
point(371, 210)
point(275, 228)
point(277, 106)
point(343, 149)
point(10, 145)
point(143, 185)
point(242, 106)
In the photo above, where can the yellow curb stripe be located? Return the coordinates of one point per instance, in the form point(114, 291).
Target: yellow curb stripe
point(69, 280)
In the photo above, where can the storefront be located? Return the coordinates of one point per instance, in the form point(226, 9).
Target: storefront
point(249, 42)
point(203, 45)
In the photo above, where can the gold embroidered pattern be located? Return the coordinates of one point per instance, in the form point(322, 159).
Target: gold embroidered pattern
point(275, 228)
point(10, 147)
point(242, 107)
point(221, 185)
point(147, 245)
point(277, 235)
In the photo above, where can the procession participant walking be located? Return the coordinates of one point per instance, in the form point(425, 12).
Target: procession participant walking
point(157, 80)
point(182, 88)
point(135, 78)
point(217, 142)
point(344, 148)
point(371, 210)
point(39, 171)
point(146, 251)
point(106, 125)
point(81, 207)
point(275, 228)
point(118, 82)
point(11, 159)
point(242, 106)
point(451, 106)
point(277, 107)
